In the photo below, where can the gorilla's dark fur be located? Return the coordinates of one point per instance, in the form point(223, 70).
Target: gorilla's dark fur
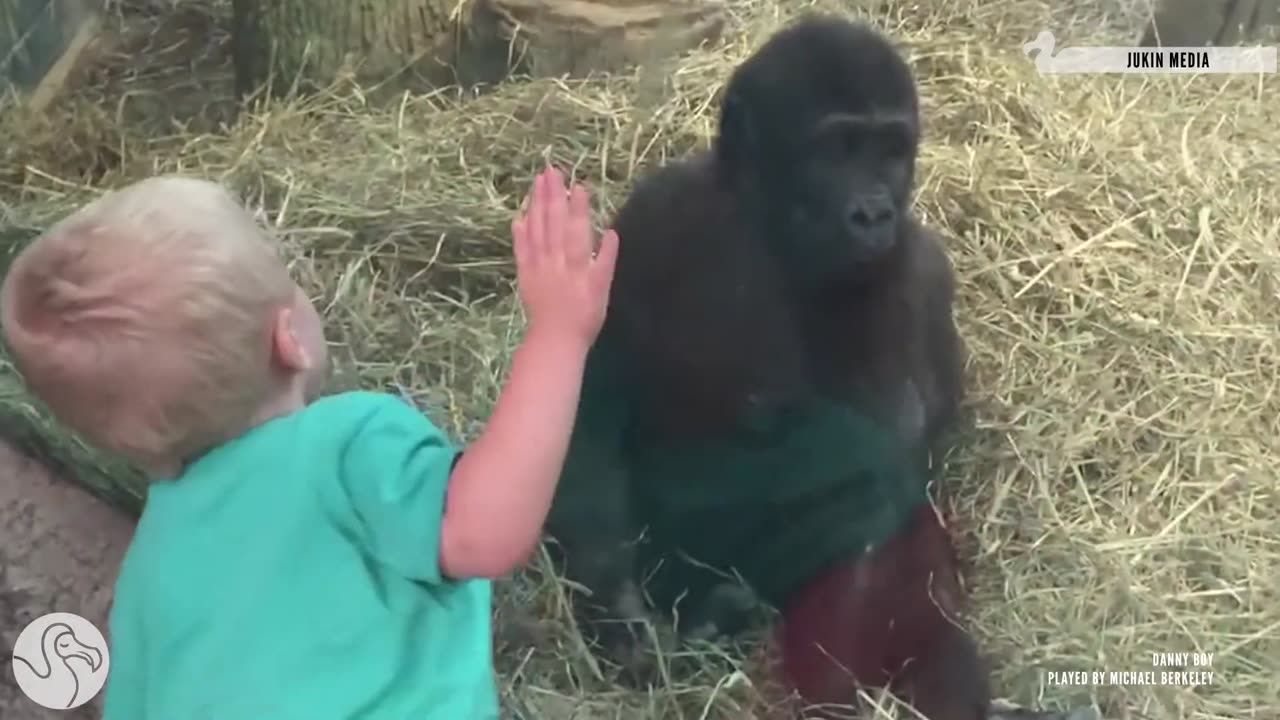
point(775, 302)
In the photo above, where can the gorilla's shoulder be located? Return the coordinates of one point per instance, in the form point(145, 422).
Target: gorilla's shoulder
point(676, 216)
point(663, 199)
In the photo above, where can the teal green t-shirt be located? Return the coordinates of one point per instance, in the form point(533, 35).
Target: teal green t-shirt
point(293, 574)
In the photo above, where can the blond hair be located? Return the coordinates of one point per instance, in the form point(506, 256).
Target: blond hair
point(144, 320)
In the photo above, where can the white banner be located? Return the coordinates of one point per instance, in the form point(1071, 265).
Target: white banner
point(1161, 60)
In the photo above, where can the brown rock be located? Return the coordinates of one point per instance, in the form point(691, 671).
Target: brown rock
point(60, 549)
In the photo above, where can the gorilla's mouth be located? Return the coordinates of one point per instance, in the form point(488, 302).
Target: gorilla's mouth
point(821, 241)
point(874, 244)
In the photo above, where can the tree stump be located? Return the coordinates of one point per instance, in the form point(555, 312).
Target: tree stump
point(305, 44)
point(575, 37)
point(41, 42)
point(1195, 23)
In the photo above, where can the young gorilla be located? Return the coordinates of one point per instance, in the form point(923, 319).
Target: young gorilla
point(778, 360)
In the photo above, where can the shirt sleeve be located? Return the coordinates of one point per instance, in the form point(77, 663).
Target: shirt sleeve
point(395, 473)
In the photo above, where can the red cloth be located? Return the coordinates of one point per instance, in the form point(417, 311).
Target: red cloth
point(863, 620)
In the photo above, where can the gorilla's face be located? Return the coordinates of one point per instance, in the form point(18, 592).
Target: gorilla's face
point(843, 195)
point(818, 138)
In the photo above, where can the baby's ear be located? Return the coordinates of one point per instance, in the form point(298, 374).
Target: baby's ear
point(287, 348)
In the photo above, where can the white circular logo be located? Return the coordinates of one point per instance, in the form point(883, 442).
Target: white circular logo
point(60, 661)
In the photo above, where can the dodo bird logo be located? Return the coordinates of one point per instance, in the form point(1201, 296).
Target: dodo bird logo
point(60, 661)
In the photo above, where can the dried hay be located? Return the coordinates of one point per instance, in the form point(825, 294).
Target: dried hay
point(1118, 255)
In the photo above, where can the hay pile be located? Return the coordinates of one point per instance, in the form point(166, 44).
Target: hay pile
point(1119, 259)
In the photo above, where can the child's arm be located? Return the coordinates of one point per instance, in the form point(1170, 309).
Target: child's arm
point(501, 490)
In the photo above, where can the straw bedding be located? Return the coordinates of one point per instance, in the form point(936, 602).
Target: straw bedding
point(1119, 258)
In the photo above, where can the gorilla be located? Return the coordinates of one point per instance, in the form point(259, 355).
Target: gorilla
point(778, 364)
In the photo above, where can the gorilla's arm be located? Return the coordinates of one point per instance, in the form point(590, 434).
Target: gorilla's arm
point(591, 518)
point(942, 346)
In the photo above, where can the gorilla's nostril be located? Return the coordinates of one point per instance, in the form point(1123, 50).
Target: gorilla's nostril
point(864, 216)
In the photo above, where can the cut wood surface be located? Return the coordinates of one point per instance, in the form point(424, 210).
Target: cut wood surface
point(578, 36)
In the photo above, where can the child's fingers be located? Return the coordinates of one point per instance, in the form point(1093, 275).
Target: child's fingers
point(520, 242)
point(603, 265)
point(556, 220)
point(536, 221)
point(578, 236)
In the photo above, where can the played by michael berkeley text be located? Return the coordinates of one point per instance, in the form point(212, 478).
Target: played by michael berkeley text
point(1181, 669)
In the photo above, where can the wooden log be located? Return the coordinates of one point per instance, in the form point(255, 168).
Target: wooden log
point(41, 43)
point(575, 37)
point(302, 44)
point(1195, 23)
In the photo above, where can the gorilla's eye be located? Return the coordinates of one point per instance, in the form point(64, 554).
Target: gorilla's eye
point(849, 139)
point(895, 140)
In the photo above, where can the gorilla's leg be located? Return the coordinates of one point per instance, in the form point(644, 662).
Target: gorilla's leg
point(887, 618)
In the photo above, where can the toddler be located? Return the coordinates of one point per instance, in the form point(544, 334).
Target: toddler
point(298, 558)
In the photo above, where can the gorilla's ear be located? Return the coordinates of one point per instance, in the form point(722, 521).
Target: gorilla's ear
point(738, 137)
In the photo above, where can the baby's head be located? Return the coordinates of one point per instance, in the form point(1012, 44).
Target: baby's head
point(158, 322)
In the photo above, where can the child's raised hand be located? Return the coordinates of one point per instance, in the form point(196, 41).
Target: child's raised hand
point(564, 285)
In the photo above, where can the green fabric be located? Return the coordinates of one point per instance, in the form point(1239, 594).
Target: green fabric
point(788, 496)
point(292, 575)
